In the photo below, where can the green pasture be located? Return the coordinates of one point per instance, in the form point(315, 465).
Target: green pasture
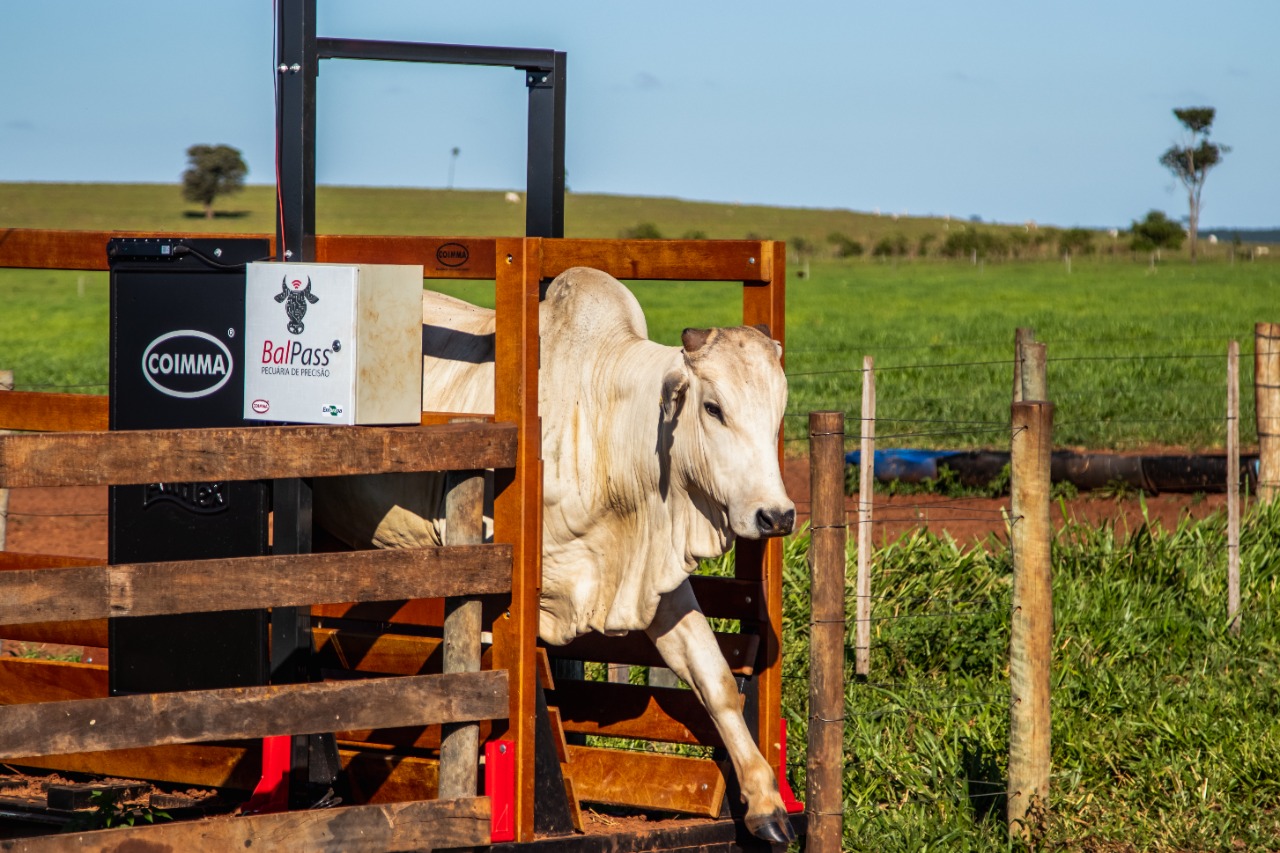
point(1165, 728)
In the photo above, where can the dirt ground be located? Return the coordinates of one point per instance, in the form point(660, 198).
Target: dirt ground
point(73, 521)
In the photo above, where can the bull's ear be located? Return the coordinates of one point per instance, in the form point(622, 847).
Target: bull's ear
point(763, 328)
point(693, 339)
point(674, 384)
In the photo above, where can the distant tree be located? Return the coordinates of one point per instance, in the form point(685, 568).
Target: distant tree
point(926, 240)
point(1156, 231)
point(890, 246)
point(1191, 163)
point(642, 231)
point(1076, 241)
point(212, 171)
point(803, 249)
point(694, 234)
point(845, 246)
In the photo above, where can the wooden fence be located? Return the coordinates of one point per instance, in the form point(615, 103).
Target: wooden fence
point(395, 602)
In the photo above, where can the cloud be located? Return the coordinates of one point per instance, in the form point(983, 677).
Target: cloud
point(646, 81)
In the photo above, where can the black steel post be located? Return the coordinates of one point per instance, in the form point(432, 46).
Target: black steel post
point(297, 64)
point(544, 208)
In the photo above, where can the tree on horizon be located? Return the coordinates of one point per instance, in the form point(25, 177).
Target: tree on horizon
point(212, 171)
point(1191, 163)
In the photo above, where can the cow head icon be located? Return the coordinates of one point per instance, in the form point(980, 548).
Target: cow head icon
point(295, 298)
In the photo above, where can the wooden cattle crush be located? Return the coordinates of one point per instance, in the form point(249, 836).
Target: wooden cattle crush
point(390, 632)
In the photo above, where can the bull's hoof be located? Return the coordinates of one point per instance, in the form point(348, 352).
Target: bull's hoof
point(774, 828)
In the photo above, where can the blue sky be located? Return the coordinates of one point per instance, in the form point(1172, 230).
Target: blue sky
point(1011, 110)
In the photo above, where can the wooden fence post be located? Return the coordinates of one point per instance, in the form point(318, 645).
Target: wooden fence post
point(1266, 379)
point(866, 497)
point(1031, 629)
point(1233, 486)
point(824, 800)
point(1021, 337)
point(460, 742)
point(6, 384)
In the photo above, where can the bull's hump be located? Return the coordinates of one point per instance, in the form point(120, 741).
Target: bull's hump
point(591, 304)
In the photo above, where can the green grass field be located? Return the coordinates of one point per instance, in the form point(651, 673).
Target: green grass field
point(1137, 353)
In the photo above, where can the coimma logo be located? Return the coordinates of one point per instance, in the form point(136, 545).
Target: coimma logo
point(187, 363)
point(452, 254)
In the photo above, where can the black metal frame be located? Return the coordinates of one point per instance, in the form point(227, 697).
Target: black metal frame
point(299, 55)
point(299, 52)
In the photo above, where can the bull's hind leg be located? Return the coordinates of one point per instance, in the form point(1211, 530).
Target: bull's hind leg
point(687, 645)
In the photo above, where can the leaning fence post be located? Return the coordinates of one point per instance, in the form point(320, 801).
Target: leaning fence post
point(1031, 628)
point(866, 496)
point(829, 535)
point(1266, 378)
point(6, 384)
point(460, 742)
point(1233, 486)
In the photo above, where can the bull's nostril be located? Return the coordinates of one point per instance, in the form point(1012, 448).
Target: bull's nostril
point(775, 522)
point(764, 520)
point(789, 520)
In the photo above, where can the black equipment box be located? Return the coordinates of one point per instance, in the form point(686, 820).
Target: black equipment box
point(177, 361)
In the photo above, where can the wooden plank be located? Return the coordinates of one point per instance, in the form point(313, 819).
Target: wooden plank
point(10, 560)
point(248, 453)
point(671, 715)
point(367, 651)
point(35, 410)
point(428, 612)
point(665, 260)
point(762, 559)
point(122, 722)
point(206, 765)
point(517, 501)
point(638, 650)
point(431, 825)
point(729, 598)
point(237, 583)
point(26, 680)
point(440, 257)
point(377, 775)
point(647, 780)
point(436, 418)
point(50, 249)
point(88, 632)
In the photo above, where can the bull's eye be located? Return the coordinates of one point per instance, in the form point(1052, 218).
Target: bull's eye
point(714, 410)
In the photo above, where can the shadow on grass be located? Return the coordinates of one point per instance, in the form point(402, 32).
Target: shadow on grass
point(987, 785)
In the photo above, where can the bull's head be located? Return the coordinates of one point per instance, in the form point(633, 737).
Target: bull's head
point(727, 401)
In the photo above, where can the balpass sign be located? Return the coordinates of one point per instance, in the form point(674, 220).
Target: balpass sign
point(333, 343)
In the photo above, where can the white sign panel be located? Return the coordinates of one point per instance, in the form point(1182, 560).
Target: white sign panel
point(333, 343)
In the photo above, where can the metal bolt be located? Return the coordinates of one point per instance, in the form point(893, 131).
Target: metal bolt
point(544, 78)
point(748, 599)
point(510, 259)
point(288, 253)
point(751, 260)
point(282, 68)
point(217, 253)
point(502, 748)
point(295, 68)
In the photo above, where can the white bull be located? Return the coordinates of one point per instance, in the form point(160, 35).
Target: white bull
point(654, 457)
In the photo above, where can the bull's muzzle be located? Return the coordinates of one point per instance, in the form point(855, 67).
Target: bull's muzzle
point(775, 522)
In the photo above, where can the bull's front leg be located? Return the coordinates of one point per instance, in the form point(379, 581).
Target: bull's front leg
point(688, 646)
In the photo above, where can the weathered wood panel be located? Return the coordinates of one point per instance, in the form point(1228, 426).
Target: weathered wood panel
point(10, 560)
point(24, 680)
point(376, 774)
point(248, 453)
point(647, 780)
point(729, 598)
point(638, 650)
point(123, 722)
point(34, 410)
point(235, 583)
point(433, 825)
point(440, 257)
point(669, 260)
point(369, 651)
point(623, 710)
point(88, 632)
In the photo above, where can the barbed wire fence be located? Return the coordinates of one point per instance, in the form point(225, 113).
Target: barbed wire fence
point(907, 698)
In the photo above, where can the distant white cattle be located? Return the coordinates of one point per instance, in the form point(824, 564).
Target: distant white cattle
point(514, 198)
point(654, 457)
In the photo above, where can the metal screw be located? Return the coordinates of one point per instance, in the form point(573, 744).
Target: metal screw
point(544, 78)
point(217, 253)
point(751, 260)
point(295, 68)
point(502, 748)
point(288, 253)
point(282, 68)
point(509, 259)
point(748, 599)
